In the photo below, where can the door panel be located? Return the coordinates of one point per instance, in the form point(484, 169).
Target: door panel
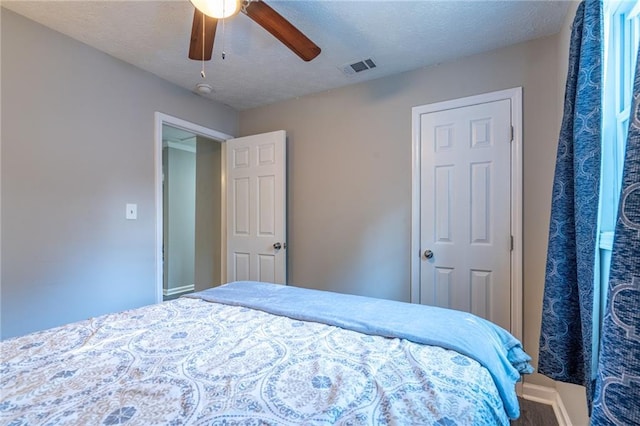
point(465, 209)
point(241, 203)
point(480, 296)
point(256, 208)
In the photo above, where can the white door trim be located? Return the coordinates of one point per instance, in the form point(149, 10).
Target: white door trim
point(515, 95)
point(160, 119)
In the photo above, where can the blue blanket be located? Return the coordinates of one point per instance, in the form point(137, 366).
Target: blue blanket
point(493, 347)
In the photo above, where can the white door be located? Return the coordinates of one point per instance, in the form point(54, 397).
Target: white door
point(465, 209)
point(256, 241)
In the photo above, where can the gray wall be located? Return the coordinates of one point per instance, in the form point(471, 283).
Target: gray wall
point(77, 145)
point(349, 168)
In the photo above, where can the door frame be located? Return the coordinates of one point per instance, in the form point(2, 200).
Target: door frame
point(515, 96)
point(159, 120)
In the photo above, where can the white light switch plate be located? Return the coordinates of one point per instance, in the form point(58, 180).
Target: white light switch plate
point(132, 211)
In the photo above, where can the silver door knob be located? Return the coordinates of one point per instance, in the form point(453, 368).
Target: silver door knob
point(277, 246)
point(428, 254)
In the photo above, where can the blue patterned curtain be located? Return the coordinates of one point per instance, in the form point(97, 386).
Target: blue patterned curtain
point(566, 332)
point(617, 394)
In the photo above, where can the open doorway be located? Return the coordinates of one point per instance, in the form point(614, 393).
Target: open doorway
point(192, 212)
point(191, 207)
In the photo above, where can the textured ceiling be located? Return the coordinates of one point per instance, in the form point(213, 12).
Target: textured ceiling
point(258, 70)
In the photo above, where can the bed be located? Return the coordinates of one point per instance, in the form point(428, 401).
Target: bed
point(249, 353)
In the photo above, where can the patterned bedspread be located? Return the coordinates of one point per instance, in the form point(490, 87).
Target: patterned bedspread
point(189, 361)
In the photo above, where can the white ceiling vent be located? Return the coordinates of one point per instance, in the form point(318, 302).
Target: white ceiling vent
point(358, 67)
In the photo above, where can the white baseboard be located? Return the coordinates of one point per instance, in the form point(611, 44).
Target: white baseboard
point(177, 290)
point(549, 396)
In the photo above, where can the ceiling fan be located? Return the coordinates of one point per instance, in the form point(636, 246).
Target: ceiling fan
point(207, 13)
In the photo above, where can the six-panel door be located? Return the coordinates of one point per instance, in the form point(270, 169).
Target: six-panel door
point(256, 208)
point(465, 209)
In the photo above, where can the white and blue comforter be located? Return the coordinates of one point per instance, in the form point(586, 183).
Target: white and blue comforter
point(192, 361)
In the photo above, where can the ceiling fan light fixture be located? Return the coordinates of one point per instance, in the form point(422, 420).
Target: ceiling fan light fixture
point(217, 8)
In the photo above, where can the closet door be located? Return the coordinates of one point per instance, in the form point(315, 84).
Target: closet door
point(465, 210)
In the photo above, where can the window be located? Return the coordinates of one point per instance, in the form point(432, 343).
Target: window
point(621, 39)
point(621, 32)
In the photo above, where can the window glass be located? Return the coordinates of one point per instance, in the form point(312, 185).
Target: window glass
point(621, 39)
point(621, 32)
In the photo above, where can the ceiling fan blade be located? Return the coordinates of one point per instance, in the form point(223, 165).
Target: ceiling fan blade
point(198, 40)
point(281, 29)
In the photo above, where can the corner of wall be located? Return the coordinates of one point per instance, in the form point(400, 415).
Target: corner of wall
point(574, 399)
point(549, 396)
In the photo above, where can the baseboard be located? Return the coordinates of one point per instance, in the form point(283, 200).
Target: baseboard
point(177, 290)
point(549, 396)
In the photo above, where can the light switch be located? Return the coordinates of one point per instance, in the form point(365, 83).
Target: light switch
point(132, 211)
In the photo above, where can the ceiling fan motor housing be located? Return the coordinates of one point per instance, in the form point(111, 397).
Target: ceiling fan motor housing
point(204, 29)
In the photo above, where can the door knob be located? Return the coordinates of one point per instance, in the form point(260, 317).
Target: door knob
point(277, 246)
point(428, 254)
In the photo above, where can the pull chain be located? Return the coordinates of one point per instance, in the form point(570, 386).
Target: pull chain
point(224, 54)
point(202, 74)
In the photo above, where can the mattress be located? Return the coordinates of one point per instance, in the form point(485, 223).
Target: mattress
point(196, 361)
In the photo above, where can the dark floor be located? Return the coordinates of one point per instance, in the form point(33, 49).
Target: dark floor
point(174, 296)
point(535, 414)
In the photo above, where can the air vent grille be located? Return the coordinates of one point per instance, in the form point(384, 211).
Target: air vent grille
point(358, 66)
